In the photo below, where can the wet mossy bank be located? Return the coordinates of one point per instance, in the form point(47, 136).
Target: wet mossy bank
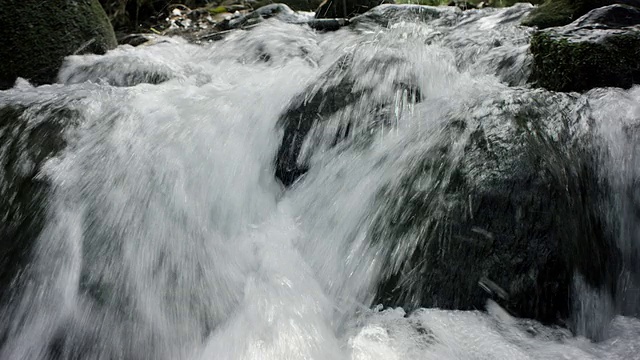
point(600, 49)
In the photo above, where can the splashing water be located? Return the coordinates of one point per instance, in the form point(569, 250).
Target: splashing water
point(165, 234)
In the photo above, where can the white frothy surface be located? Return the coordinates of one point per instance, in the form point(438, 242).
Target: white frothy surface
point(168, 237)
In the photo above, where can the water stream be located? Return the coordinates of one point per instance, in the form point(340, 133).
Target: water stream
point(166, 235)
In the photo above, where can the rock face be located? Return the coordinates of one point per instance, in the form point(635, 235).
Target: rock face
point(508, 213)
point(493, 221)
point(600, 49)
point(347, 8)
point(37, 35)
point(562, 12)
point(28, 137)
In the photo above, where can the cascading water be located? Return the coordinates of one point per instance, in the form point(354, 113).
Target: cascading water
point(161, 231)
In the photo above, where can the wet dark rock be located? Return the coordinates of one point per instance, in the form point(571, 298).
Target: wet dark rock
point(511, 217)
point(600, 49)
point(327, 24)
point(280, 11)
point(26, 142)
point(135, 39)
point(347, 8)
point(613, 16)
point(129, 75)
point(272, 10)
point(38, 35)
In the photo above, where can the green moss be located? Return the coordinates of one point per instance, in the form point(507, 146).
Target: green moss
point(217, 10)
point(562, 65)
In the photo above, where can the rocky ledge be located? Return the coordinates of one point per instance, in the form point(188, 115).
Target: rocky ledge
point(600, 49)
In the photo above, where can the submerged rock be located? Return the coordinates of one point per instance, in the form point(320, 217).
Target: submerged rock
point(38, 35)
point(600, 49)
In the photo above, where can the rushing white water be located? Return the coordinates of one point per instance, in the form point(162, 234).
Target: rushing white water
point(168, 237)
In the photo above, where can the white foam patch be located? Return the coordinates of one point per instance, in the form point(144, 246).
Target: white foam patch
point(473, 335)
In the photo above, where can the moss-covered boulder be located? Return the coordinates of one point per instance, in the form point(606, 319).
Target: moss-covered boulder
point(600, 49)
point(562, 12)
point(37, 35)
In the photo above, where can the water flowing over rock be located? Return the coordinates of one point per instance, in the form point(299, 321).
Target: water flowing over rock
point(600, 49)
point(346, 8)
point(388, 190)
point(38, 35)
point(31, 133)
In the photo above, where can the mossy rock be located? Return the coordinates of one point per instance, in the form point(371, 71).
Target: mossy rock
point(37, 35)
point(562, 12)
point(579, 59)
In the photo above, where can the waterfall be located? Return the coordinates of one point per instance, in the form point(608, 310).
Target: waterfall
point(143, 218)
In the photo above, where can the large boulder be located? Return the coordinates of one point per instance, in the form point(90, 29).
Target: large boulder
point(562, 12)
point(37, 35)
point(600, 49)
point(510, 216)
point(497, 202)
